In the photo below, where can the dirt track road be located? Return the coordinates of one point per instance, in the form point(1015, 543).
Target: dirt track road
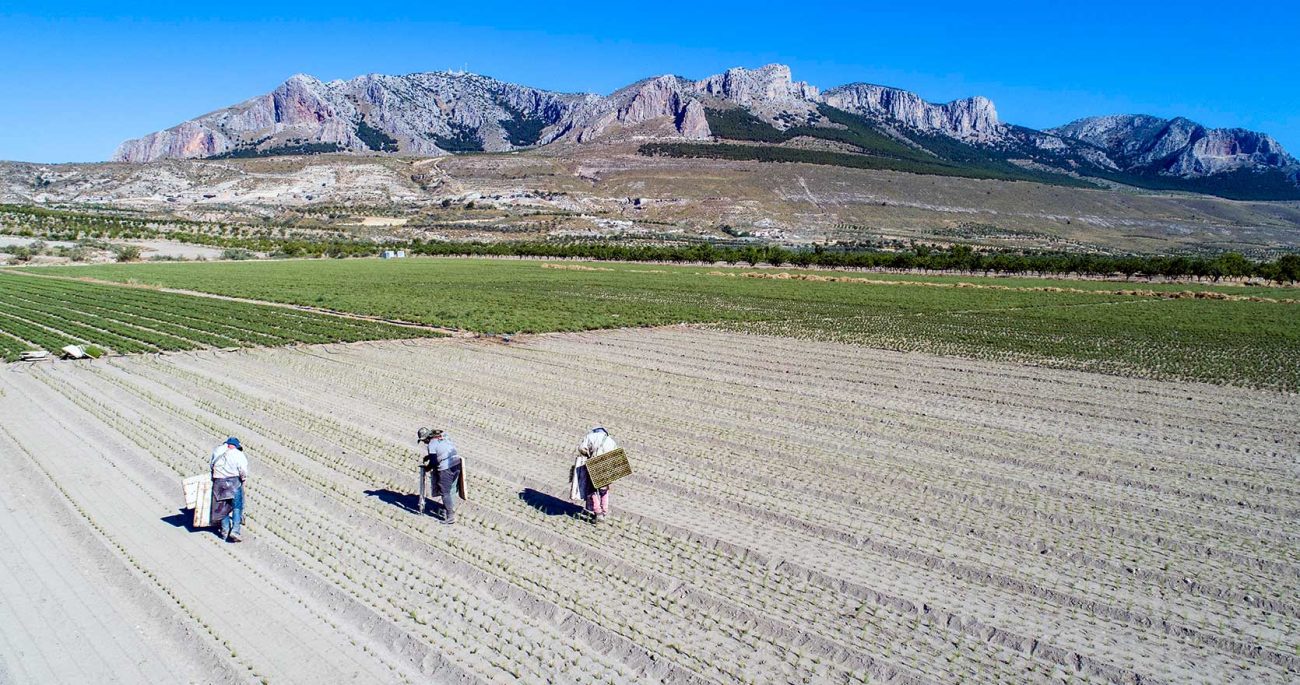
point(799, 512)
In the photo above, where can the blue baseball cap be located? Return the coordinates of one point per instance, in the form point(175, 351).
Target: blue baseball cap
point(234, 442)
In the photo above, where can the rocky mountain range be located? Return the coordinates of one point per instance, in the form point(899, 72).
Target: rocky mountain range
point(450, 112)
point(1178, 146)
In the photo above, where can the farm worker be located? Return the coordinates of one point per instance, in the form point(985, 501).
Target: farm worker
point(595, 443)
point(445, 461)
point(229, 471)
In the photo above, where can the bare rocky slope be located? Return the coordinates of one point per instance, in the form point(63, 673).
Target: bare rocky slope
point(449, 112)
point(607, 189)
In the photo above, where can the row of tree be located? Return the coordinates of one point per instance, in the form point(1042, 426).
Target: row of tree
point(960, 258)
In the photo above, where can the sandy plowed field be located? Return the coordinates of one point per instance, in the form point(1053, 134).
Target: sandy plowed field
point(799, 512)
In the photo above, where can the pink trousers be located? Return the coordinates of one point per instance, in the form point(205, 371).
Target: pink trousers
point(598, 501)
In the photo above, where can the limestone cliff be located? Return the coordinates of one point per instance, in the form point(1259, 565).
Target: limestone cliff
point(1178, 147)
point(446, 112)
point(971, 119)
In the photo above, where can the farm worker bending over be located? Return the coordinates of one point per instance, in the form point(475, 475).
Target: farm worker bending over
point(229, 471)
point(442, 457)
point(595, 443)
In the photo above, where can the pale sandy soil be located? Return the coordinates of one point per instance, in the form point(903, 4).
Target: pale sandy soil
point(11, 240)
point(796, 202)
point(148, 248)
point(170, 248)
point(382, 221)
point(799, 512)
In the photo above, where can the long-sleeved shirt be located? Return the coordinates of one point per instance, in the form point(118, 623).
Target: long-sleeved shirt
point(442, 452)
point(228, 462)
point(595, 443)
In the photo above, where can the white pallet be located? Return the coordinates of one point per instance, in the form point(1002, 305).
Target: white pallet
point(198, 496)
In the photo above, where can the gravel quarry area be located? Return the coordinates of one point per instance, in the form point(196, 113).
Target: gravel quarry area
point(799, 512)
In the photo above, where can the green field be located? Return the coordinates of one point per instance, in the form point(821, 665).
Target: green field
point(45, 313)
point(1239, 342)
point(1268, 291)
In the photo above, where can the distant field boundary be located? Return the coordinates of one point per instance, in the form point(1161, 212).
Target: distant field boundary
point(1225, 281)
point(1244, 282)
point(1164, 294)
point(1235, 281)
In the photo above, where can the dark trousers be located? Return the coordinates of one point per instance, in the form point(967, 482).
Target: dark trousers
point(447, 479)
point(228, 504)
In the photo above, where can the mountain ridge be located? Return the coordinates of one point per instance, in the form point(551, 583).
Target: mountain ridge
point(438, 113)
point(1187, 147)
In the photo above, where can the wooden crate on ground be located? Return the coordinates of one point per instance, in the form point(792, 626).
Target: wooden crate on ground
point(198, 496)
point(606, 468)
point(190, 486)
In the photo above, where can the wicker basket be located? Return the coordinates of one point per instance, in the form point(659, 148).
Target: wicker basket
point(608, 467)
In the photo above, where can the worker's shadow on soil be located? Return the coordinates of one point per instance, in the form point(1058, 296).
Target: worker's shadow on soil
point(549, 504)
point(432, 506)
point(185, 520)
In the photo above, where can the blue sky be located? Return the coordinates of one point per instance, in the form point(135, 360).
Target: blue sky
point(80, 77)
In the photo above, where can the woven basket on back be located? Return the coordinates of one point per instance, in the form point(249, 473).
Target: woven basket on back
point(608, 467)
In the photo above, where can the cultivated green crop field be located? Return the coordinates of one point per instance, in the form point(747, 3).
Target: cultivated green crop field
point(1237, 342)
point(1268, 291)
point(45, 313)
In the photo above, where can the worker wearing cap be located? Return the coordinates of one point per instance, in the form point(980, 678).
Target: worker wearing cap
point(445, 461)
point(595, 443)
point(229, 471)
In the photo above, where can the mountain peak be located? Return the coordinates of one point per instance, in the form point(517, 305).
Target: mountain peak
point(1177, 146)
point(436, 113)
point(972, 119)
point(769, 84)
